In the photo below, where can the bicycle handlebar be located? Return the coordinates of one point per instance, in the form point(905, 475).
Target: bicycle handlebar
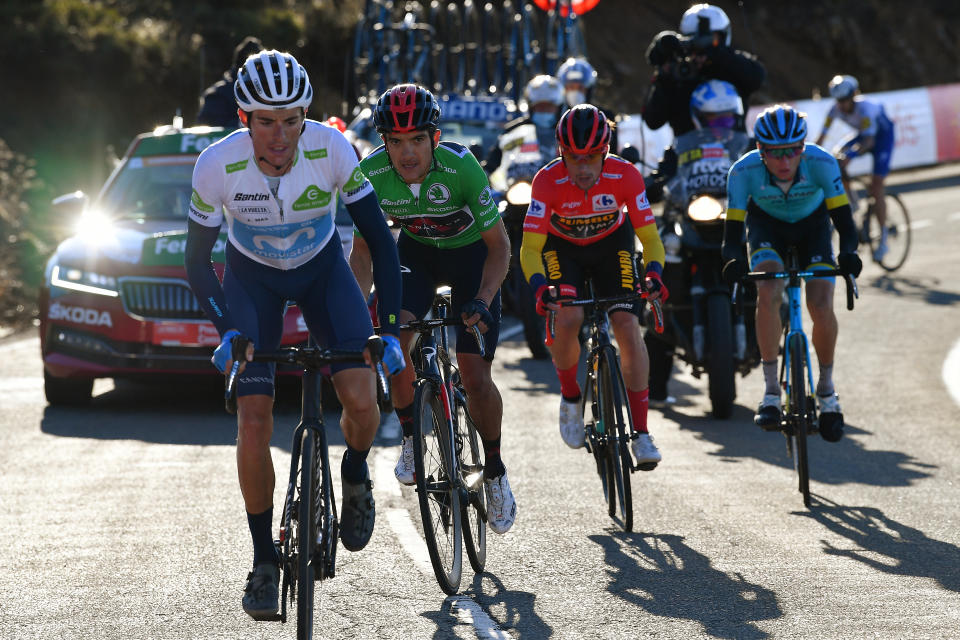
point(309, 358)
point(608, 301)
point(426, 326)
point(851, 282)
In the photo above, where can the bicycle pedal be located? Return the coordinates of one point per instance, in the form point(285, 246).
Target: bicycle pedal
point(473, 481)
point(646, 466)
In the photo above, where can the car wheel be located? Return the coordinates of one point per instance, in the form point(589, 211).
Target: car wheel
point(67, 392)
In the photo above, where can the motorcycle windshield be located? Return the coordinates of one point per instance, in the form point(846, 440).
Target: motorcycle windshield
point(704, 156)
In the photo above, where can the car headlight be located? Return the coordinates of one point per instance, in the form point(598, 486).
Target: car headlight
point(85, 281)
point(705, 209)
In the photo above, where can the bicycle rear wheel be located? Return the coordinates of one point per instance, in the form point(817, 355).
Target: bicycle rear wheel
point(439, 499)
point(306, 533)
point(471, 471)
point(800, 416)
point(898, 233)
point(616, 423)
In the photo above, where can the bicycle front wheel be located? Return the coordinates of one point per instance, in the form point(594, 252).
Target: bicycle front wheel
point(617, 424)
point(306, 533)
point(436, 490)
point(800, 413)
point(898, 234)
point(471, 471)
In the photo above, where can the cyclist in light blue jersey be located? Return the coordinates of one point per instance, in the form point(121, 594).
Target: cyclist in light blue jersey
point(275, 185)
point(787, 193)
point(873, 134)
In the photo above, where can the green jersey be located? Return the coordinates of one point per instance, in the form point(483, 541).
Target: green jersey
point(454, 205)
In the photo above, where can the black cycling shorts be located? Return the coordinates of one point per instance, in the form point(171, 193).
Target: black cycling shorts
point(424, 268)
point(769, 238)
point(608, 261)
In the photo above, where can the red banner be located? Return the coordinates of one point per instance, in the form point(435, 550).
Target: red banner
point(579, 7)
point(945, 103)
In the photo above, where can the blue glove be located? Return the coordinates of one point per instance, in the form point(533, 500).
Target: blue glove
point(393, 355)
point(224, 352)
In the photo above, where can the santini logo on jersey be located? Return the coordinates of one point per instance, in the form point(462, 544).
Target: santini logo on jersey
point(244, 197)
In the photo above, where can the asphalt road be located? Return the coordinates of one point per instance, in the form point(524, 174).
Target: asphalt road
point(124, 520)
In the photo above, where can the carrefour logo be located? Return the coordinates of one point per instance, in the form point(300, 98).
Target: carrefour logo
point(80, 315)
point(438, 193)
point(604, 202)
point(536, 209)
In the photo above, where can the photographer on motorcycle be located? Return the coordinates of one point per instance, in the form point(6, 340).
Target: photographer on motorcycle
point(544, 97)
point(692, 176)
point(682, 61)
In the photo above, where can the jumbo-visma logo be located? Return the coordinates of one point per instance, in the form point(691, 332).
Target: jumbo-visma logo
point(313, 197)
point(438, 193)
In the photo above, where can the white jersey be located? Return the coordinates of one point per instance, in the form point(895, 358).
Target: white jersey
point(867, 117)
point(284, 230)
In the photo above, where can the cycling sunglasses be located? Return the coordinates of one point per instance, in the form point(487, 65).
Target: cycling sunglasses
point(587, 158)
point(782, 152)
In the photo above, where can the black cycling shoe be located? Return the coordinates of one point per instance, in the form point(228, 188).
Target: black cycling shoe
point(768, 413)
point(831, 426)
point(261, 597)
point(358, 512)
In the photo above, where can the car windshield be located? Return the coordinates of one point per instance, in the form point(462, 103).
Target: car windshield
point(151, 188)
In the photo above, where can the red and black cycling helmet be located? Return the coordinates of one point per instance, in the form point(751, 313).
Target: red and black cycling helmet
point(405, 108)
point(583, 129)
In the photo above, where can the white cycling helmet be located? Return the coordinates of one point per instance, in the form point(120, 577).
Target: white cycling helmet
point(843, 87)
point(272, 80)
point(544, 88)
point(714, 97)
point(703, 19)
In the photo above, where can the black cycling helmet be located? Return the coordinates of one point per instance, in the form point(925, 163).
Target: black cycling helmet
point(780, 124)
point(583, 129)
point(405, 108)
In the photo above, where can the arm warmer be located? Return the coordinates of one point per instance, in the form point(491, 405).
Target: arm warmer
point(368, 217)
point(202, 276)
point(842, 218)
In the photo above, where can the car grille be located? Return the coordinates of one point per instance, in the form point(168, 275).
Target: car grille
point(159, 299)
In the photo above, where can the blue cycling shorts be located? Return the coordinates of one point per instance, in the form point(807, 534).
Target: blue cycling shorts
point(326, 292)
point(882, 151)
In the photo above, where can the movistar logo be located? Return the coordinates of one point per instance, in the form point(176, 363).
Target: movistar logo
point(313, 197)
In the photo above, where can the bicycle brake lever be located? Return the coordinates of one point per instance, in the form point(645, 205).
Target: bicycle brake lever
point(481, 344)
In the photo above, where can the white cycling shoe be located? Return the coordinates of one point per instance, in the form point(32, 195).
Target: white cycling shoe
point(405, 469)
point(501, 507)
point(571, 424)
point(646, 453)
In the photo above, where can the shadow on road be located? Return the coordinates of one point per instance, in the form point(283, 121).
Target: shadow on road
point(886, 545)
point(844, 462)
point(667, 578)
point(186, 412)
point(918, 288)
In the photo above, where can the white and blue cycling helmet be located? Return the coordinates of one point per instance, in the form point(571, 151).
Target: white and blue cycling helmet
point(577, 70)
point(843, 87)
point(712, 99)
point(780, 124)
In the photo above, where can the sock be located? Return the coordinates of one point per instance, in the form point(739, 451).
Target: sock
point(825, 383)
point(771, 378)
point(491, 453)
point(405, 416)
point(260, 525)
point(353, 468)
point(639, 403)
point(569, 387)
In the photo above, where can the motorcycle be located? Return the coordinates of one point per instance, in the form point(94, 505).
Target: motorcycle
point(701, 327)
point(524, 153)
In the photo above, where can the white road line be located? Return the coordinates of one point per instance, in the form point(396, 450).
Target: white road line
point(464, 607)
point(920, 224)
point(951, 372)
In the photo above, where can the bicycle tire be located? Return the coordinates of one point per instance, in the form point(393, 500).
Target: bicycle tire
point(306, 535)
point(468, 448)
point(439, 500)
point(899, 233)
point(594, 426)
point(620, 464)
point(801, 417)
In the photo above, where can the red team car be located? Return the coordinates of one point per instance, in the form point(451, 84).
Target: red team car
point(115, 301)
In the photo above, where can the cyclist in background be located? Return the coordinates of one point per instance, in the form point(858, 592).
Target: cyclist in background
point(272, 183)
point(544, 97)
point(451, 235)
point(576, 227)
point(787, 193)
point(578, 78)
point(682, 61)
point(218, 107)
point(873, 134)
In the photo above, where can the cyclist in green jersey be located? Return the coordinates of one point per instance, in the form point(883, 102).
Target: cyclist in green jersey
point(451, 235)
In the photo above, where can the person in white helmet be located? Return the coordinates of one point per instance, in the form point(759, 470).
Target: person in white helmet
point(682, 61)
point(579, 78)
point(873, 134)
point(272, 184)
point(544, 100)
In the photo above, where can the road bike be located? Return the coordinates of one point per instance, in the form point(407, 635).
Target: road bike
point(309, 529)
point(869, 229)
point(609, 423)
point(799, 416)
point(448, 462)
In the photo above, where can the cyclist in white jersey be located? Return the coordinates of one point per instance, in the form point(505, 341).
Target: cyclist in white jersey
point(275, 184)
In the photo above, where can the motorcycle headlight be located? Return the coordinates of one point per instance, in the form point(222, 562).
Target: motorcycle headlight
point(705, 209)
point(85, 281)
point(519, 193)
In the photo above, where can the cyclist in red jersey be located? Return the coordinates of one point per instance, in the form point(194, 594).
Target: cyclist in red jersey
point(585, 209)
